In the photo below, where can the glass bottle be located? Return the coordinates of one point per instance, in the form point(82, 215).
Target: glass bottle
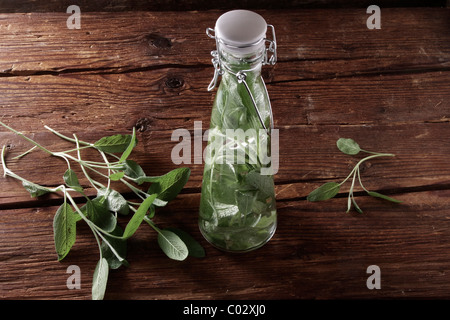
point(237, 207)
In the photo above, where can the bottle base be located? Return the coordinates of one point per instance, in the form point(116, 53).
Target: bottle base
point(225, 242)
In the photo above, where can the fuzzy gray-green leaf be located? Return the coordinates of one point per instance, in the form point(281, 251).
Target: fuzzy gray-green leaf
point(71, 179)
point(172, 245)
point(348, 146)
point(114, 201)
point(194, 247)
point(119, 245)
point(34, 189)
point(133, 170)
point(324, 192)
point(100, 279)
point(382, 196)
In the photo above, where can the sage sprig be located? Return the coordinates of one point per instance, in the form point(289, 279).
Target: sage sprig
point(331, 189)
point(101, 212)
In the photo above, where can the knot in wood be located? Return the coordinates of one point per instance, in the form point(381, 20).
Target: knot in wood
point(174, 82)
point(158, 41)
point(142, 124)
point(365, 166)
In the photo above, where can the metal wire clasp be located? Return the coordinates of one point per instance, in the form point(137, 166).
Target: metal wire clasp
point(269, 58)
point(218, 71)
point(272, 48)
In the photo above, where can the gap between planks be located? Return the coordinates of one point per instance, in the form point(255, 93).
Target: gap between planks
point(195, 192)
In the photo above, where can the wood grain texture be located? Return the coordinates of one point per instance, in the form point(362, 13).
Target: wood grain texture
point(189, 5)
point(318, 252)
point(388, 89)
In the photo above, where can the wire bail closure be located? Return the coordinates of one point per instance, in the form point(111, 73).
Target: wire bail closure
point(269, 57)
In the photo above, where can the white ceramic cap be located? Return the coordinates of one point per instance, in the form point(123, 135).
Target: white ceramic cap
point(241, 30)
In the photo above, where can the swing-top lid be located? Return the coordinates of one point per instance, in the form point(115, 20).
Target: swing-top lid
point(241, 31)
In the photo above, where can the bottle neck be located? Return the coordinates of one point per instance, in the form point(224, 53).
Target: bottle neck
point(234, 62)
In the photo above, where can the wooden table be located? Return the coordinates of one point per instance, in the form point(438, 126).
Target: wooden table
point(388, 88)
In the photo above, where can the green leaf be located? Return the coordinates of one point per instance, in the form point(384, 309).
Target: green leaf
point(115, 143)
point(348, 146)
point(138, 216)
point(119, 245)
point(324, 192)
point(114, 201)
point(100, 279)
point(96, 210)
point(34, 189)
point(71, 179)
point(117, 176)
point(64, 230)
point(382, 196)
point(263, 183)
point(169, 185)
point(133, 170)
point(172, 245)
point(130, 147)
point(194, 248)
point(245, 201)
point(357, 208)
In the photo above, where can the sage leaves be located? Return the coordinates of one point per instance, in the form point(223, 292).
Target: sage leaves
point(64, 230)
point(116, 143)
point(177, 244)
point(101, 213)
point(71, 180)
point(172, 245)
point(382, 196)
point(331, 189)
point(194, 248)
point(34, 190)
point(325, 192)
point(100, 279)
point(169, 185)
point(348, 146)
point(138, 216)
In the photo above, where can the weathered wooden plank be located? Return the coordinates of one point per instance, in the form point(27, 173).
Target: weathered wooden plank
point(318, 252)
point(41, 43)
point(335, 78)
point(174, 97)
point(130, 5)
point(305, 162)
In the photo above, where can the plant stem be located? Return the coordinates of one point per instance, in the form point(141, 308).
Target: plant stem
point(109, 170)
point(377, 153)
point(8, 172)
point(26, 138)
point(82, 165)
point(68, 138)
point(350, 193)
point(356, 167)
point(76, 149)
point(152, 224)
point(25, 153)
point(3, 161)
point(360, 183)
